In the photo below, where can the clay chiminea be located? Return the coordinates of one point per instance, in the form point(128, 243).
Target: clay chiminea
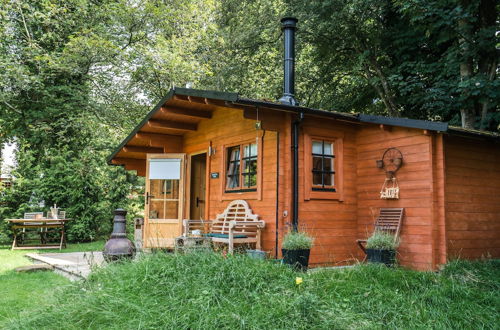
point(119, 246)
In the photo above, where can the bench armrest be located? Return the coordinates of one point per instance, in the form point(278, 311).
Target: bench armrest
point(187, 223)
point(258, 224)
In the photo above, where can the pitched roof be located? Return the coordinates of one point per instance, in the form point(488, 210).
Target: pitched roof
point(233, 100)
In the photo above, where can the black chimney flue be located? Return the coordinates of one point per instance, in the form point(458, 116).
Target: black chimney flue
point(289, 24)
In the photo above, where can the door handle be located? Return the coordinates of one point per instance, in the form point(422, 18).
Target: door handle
point(148, 197)
point(198, 201)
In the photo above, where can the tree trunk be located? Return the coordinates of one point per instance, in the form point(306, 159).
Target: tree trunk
point(465, 28)
point(384, 90)
point(488, 55)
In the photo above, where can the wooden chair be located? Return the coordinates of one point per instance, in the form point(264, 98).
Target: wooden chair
point(236, 225)
point(30, 216)
point(389, 220)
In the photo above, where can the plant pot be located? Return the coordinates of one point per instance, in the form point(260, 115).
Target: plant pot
point(256, 254)
point(386, 257)
point(299, 259)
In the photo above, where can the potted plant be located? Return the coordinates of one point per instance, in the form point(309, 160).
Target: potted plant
point(296, 248)
point(381, 248)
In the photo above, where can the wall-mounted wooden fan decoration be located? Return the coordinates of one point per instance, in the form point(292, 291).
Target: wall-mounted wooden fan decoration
point(391, 161)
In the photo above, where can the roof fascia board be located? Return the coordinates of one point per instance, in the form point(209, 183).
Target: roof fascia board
point(489, 136)
point(167, 97)
point(225, 96)
point(404, 122)
point(297, 109)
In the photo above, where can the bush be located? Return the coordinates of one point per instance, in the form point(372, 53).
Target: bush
point(297, 241)
point(81, 183)
point(381, 240)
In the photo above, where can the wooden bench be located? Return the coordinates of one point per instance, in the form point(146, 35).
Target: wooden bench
point(389, 221)
point(236, 225)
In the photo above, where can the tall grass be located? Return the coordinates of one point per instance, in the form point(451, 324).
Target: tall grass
point(208, 291)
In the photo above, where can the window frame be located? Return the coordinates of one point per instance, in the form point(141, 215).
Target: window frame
point(251, 194)
point(322, 172)
point(241, 165)
point(312, 191)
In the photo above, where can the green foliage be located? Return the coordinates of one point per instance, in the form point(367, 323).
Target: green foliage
point(80, 182)
point(77, 75)
point(403, 57)
point(381, 240)
point(49, 107)
point(297, 240)
point(205, 290)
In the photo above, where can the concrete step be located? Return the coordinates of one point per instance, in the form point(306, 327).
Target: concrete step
point(34, 268)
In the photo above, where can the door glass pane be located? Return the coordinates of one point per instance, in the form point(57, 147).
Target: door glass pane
point(171, 210)
point(165, 169)
point(164, 179)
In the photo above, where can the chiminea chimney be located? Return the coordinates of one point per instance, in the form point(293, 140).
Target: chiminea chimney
point(289, 24)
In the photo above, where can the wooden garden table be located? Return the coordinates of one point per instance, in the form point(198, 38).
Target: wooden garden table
point(43, 223)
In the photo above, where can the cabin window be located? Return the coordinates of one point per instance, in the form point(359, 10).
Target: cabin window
point(323, 168)
point(323, 164)
point(241, 169)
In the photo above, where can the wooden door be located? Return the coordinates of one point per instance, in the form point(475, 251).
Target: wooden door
point(198, 186)
point(164, 199)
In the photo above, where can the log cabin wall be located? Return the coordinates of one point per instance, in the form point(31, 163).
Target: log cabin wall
point(415, 179)
point(472, 198)
point(439, 248)
point(229, 127)
point(330, 219)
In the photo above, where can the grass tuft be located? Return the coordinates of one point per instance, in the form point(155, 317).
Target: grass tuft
point(206, 290)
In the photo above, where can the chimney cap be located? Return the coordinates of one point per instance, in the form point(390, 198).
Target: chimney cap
point(289, 22)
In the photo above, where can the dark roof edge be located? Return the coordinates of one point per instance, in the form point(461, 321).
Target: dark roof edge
point(404, 122)
point(167, 97)
point(298, 109)
point(224, 96)
point(485, 135)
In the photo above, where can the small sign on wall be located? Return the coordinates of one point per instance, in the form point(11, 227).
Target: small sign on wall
point(214, 175)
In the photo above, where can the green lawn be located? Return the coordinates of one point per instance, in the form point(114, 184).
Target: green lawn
point(208, 291)
point(24, 291)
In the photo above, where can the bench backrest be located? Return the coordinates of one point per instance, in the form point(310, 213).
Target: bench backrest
point(237, 210)
point(389, 220)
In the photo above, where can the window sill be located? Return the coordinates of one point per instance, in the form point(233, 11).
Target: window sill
point(239, 191)
point(240, 194)
point(330, 195)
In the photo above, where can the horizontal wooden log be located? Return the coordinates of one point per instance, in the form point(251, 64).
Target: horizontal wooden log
point(146, 150)
point(169, 124)
point(195, 113)
point(128, 161)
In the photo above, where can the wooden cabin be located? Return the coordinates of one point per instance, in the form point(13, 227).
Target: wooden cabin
point(201, 149)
